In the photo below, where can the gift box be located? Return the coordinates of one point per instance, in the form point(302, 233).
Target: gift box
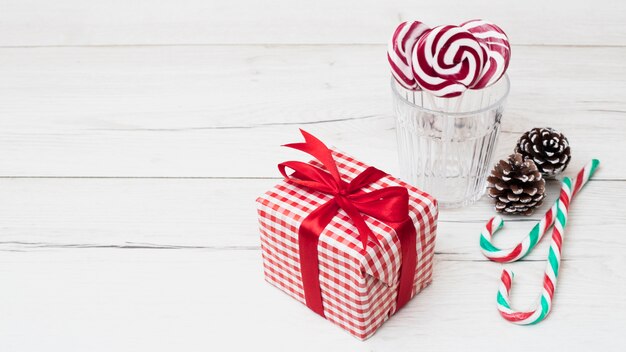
point(351, 242)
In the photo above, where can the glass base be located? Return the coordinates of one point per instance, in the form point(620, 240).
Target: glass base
point(460, 203)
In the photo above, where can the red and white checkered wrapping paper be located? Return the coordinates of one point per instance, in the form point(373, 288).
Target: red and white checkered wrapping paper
point(358, 292)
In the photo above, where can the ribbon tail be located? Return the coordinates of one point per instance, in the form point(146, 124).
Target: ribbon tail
point(407, 235)
point(365, 233)
point(319, 151)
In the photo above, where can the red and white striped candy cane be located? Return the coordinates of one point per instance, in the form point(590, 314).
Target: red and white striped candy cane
point(551, 273)
point(524, 247)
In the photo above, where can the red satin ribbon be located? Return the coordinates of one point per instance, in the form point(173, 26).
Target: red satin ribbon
point(389, 205)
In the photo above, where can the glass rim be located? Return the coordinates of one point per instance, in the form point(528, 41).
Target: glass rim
point(500, 101)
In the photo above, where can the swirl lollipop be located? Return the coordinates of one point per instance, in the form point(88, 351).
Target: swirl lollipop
point(448, 60)
point(496, 43)
point(399, 51)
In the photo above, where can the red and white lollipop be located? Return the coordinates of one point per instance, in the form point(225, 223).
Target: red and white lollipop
point(448, 60)
point(399, 51)
point(496, 43)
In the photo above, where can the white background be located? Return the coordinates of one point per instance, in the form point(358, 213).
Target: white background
point(135, 136)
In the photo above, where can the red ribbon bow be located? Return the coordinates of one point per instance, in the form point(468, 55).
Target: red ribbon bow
point(389, 205)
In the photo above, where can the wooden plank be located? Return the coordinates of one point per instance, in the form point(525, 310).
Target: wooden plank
point(128, 300)
point(192, 111)
point(190, 88)
point(243, 152)
point(74, 22)
point(218, 214)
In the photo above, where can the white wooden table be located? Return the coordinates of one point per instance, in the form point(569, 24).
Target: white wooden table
point(135, 136)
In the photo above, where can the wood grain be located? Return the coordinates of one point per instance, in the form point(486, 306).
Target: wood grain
point(229, 87)
point(119, 22)
point(242, 153)
point(160, 300)
point(133, 145)
point(211, 214)
point(182, 112)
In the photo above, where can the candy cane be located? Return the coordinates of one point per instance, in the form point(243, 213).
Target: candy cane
point(517, 252)
point(551, 273)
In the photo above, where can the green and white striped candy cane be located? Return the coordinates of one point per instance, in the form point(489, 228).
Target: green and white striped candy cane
point(557, 215)
point(551, 272)
point(520, 250)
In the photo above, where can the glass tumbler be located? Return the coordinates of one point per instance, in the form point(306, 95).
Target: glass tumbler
point(445, 145)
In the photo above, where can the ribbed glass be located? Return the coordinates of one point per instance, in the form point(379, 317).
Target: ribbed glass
point(446, 145)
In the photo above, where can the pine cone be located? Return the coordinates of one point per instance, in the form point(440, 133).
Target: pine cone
point(517, 185)
point(548, 148)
